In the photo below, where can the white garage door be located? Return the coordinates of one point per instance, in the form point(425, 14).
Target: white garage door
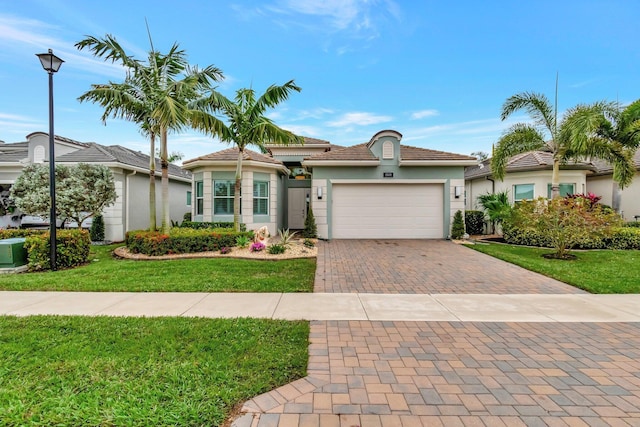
point(387, 211)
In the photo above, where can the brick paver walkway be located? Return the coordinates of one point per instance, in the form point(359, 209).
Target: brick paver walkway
point(422, 267)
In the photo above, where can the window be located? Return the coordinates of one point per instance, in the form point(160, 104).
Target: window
point(223, 192)
point(188, 198)
point(387, 150)
point(565, 189)
point(260, 198)
point(522, 191)
point(199, 198)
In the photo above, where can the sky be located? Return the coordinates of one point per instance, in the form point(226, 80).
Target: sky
point(438, 72)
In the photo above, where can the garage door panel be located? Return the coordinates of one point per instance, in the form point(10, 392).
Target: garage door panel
point(387, 211)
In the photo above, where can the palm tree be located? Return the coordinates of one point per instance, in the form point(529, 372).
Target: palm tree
point(156, 95)
point(570, 139)
point(246, 125)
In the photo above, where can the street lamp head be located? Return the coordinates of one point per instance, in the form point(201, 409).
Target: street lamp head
point(50, 62)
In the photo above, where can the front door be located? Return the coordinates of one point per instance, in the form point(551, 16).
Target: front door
point(297, 209)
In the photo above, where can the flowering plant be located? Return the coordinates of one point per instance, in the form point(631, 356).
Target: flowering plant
point(225, 250)
point(257, 247)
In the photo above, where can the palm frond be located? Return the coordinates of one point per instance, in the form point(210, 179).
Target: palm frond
point(536, 105)
point(519, 139)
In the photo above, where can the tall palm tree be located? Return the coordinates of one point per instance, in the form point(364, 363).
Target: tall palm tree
point(157, 95)
point(570, 139)
point(246, 125)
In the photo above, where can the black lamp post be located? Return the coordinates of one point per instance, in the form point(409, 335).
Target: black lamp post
point(51, 64)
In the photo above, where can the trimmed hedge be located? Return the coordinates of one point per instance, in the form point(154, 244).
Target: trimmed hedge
point(182, 240)
point(20, 232)
point(72, 249)
point(621, 238)
point(202, 225)
point(474, 222)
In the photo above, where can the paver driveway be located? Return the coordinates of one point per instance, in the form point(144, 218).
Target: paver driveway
point(422, 267)
point(394, 373)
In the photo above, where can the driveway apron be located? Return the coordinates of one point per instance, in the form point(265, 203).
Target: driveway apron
point(399, 373)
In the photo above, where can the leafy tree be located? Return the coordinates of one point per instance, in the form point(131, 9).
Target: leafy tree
point(310, 228)
point(246, 125)
point(82, 191)
point(457, 228)
point(480, 155)
point(496, 206)
point(156, 95)
point(571, 138)
point(565, 222)
point(173, 157)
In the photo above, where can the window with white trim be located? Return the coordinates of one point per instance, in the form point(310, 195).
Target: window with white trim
point(565, 190)
point(223, 192)
point(522, 192)
point(260, 197)
point(199, 198)
point(188, 198)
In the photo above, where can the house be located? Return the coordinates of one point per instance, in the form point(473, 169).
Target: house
point(528, 176)
point(379, 189)
point(131, 175)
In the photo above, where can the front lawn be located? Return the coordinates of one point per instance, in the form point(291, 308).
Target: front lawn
point(141, 372)
point(105, 273)
point(597, 271)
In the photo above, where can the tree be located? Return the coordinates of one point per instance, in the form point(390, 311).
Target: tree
point(156, 95)
point(457, 228)
point(246, 125)
point(310, 228)
point(97, 229)
point(172, 157)
point(569, 139)
point(480, 155)
point(496, 206)
point(82, 191)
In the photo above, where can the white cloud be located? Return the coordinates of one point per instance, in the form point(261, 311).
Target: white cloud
point(416, 115)
point(304, 130)
point(359, 119)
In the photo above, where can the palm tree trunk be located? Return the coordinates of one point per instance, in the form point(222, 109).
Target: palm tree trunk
point(555, 179)
point(616, 198)
point(237, 191)
point(152, 184)
point(164, 165)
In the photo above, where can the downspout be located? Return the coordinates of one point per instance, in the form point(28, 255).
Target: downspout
point(126, 204)
point(493, 191)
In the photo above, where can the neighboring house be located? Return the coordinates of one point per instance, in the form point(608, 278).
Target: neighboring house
point(528, 176)
point(627, 201)
point(380, 189)
point(131, 175)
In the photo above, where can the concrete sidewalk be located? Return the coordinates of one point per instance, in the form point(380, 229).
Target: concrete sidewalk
point(331, 306)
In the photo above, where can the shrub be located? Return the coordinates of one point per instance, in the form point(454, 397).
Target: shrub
point(310, 227)
point(186, 217)
point(309, 243)
point(181, 240)
point(457, 229)
point(496, 206)
point(286, 236)
point(474, 222)
point(276, 248)
point(560, 223)
point(201, 225)
point(242, 241)
point(624, 238)
point(257, 247)
point(72, 249)
point(20, 232)
point(97, 229)
point(632, 224)
point(225, 250)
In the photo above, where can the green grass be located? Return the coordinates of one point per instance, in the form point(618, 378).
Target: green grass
point(141, 371)
point(598, 271)
point(106, 273)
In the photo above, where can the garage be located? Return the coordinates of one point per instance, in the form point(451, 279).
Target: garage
point(387, 211)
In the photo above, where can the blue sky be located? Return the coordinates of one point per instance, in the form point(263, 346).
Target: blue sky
point(437, 72)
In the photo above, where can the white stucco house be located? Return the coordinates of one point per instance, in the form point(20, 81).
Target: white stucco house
point(378, 189)
point(528, 176)
point(131, 174)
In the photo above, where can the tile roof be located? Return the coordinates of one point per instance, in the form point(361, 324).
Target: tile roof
point(604, 168)
point(416, 153)
point(96, 153)
point(355, 152)
point(531, 160)
point(231, 154)
point(362, 152)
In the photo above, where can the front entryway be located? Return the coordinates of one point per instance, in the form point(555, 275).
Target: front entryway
point(297, 209)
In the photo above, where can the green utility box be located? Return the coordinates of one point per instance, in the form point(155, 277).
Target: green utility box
point(13, 253)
